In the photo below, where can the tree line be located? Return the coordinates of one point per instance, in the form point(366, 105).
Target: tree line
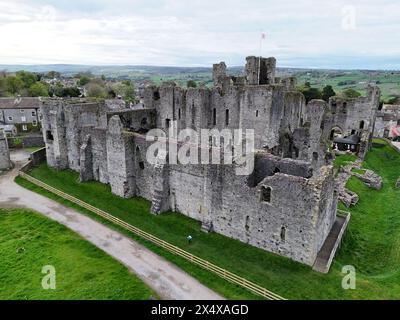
point(51, 84)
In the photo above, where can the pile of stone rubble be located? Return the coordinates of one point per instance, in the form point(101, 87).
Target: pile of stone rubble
point(369, 177)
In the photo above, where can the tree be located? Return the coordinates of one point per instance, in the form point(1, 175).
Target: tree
point(191, 84)
point(53, 75)
point(95, 90)
point(351, 93)
point(328, 92)
point(84, 80)
point(3, 87)
point(38, 89)
point(72, 92)
point(126, 90)
point(130, 94)
point(310, 93)
point(14, 85)
point(64, 92)
point(27, 78)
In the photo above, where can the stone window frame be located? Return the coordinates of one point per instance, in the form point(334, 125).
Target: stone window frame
point(214, 115)
point(262, 194)
point(283, 233)
point(227, 117)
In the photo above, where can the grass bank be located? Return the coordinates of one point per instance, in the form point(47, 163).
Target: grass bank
point(29, 241)
point(363, 246)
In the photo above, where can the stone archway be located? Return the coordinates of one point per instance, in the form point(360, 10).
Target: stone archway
point(336, 132)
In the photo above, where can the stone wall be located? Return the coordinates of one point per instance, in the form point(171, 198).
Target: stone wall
point(5, 162)
point(38, 156)
point(33, 141)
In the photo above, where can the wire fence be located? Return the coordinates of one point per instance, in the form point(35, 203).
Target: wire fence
point(225, 274)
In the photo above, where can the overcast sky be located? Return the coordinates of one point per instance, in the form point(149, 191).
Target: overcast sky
point(304, 33)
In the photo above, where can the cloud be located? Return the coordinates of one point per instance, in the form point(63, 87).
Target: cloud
point(305, 33)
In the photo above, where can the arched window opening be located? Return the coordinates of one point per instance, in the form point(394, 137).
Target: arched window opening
point(227, 117)
point(193, 113)
point(362, 125)
point(49, 135)
point(139, 158)
point(266, 194)
point(283, 234)
point(214, 117)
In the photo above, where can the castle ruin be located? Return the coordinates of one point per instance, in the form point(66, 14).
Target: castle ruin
point(287, 205)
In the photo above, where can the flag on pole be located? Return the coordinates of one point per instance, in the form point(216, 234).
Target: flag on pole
point(263, 36)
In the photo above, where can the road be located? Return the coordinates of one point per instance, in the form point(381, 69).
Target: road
point(163, 277)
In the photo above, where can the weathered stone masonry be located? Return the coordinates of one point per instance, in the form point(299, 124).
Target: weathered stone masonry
point(287, 205)
point(5, 162)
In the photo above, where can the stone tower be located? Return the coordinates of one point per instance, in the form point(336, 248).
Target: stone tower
point(260, 70)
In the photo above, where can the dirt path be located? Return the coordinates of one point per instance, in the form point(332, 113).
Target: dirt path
point(163, 277)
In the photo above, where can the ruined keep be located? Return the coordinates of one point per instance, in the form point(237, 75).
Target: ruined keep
point(5, 162)
point(287, 205)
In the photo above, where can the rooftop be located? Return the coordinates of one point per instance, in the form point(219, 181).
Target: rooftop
point(20, 103)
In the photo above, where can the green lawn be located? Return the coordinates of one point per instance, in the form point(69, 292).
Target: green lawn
point(29, 241)
point(344, 159)
point(371, 244)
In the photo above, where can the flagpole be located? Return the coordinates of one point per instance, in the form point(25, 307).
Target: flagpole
point(259, 60)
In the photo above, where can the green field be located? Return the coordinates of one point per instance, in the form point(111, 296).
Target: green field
point(29, 241)
point(371, 244)
point(388, 82)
